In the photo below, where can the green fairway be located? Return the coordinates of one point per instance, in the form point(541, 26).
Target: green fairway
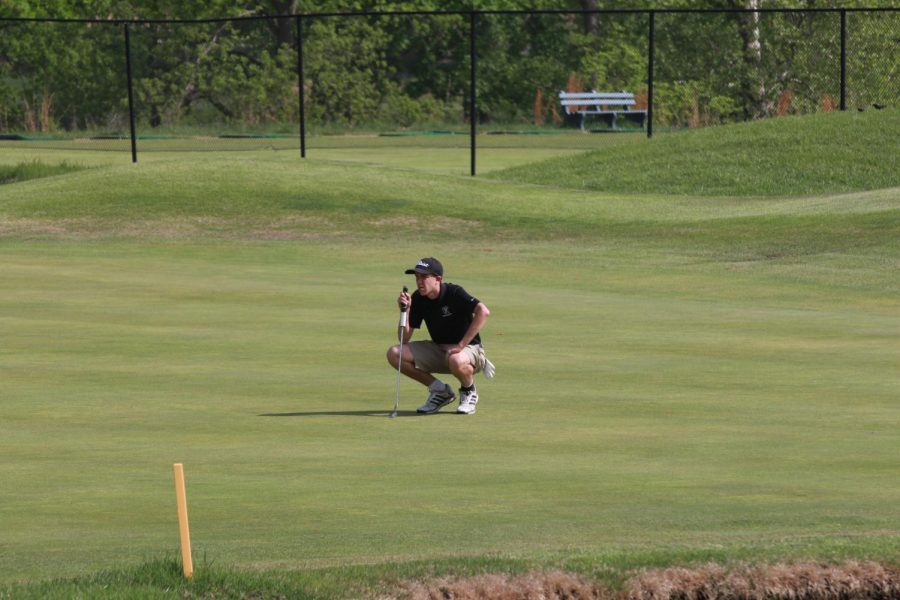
point(680, 378)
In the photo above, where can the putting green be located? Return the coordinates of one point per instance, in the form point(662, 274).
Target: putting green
point(641, 401)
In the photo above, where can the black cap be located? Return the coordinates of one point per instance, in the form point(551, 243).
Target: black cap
point(427, 266)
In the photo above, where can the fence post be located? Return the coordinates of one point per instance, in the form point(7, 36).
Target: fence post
point(301, 80)
point(130, 95)
point(473, 105)
point(650, 51)
point(843, 59)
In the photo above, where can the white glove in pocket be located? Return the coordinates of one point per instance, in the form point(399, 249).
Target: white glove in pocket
point(489, 369)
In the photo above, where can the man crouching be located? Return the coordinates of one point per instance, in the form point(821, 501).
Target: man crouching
point(454, 319)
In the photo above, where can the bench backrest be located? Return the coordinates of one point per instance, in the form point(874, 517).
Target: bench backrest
point(595, 98)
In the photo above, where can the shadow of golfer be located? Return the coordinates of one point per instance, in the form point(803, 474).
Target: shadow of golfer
point(345, 413)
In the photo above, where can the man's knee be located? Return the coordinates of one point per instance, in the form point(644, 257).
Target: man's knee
point(459, 363)
point(393, 355)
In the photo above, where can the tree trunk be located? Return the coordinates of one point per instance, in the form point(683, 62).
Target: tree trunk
point(753, 86)
point(592, 29)
point(591, 22)
point(282, 29)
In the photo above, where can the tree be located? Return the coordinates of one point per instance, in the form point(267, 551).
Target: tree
point(406, 71)
point(61, 75)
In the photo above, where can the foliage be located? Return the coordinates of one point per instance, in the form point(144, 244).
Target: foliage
point(37, 89)
point(185, 73)
point(412, 70)
point(694, 104)
point(348, 70)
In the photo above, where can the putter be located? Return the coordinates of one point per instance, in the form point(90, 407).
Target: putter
point(401, 328)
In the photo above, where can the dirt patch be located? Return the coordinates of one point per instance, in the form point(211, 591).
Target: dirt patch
point(432, 224)
point(800, 581)
point(797, 581)
point(171, 228)
point(16, 227)
point(532, 586)
point(238, 227)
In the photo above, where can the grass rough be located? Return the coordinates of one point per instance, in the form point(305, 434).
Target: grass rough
point(34, 169)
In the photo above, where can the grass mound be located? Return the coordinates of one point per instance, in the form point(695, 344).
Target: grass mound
point(272, 200)
point(817, 154)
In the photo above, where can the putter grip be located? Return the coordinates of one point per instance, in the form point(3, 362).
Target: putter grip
point(403, 308)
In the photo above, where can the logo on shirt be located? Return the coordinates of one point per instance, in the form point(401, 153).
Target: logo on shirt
point(445, 311)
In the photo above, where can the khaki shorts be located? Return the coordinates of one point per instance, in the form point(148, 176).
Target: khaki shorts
point(432, 358)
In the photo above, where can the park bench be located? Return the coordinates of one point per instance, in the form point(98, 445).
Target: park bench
point(605, 104)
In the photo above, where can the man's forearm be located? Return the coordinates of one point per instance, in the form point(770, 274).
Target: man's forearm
point(480, 317)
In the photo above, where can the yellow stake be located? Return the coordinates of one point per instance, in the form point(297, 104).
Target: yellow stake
point(181, 497)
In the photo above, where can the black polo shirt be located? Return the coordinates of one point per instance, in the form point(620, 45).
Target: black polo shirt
point(448, 317)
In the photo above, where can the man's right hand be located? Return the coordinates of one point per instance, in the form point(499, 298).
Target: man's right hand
point(404, 300)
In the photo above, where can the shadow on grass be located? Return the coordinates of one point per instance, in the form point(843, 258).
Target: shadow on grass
point(349, 413)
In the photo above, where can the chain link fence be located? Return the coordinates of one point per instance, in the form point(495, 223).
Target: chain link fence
point(340, 82)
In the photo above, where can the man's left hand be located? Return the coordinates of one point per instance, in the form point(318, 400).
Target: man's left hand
point(454, 350)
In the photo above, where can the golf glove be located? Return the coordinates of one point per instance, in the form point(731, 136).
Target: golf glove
point(489, 369)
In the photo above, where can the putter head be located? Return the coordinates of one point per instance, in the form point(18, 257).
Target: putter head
point(393, 414)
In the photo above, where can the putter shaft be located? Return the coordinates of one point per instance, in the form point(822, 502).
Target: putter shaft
point(401, 328)
point(399, 366)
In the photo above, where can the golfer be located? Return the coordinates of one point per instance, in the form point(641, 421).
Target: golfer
point(454, 319)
